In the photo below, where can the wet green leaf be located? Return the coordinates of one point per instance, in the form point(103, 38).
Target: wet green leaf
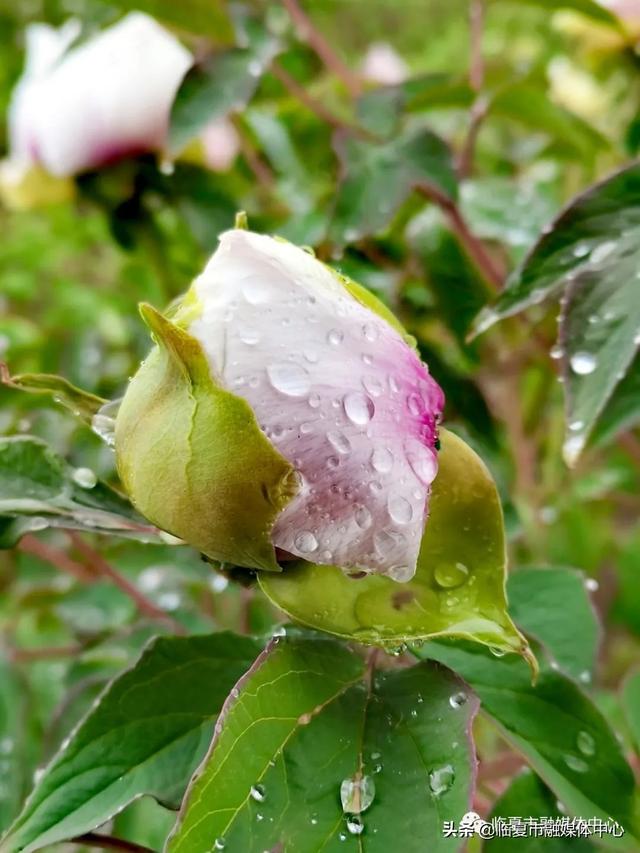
point(569, 633)
point(528, 797)
point(458, 588)
point(590, 8)
point(38, 489)
point(14, 766)
point(222, 83)
point(555, 726)
point(146, 735)
point(591, 253)
point(310, 727)
point(622, 411)
point(379, 176)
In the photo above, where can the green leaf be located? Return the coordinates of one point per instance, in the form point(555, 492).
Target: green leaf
point(555, 726)
point(631, 705)
point(569, 632)
point(311, 720)
point(379, 176)
point(14, 766)
point(528, 797)
point(594, 219)
point(529, 105)
point(208, 18)
point(599, 336)
point(146, 735)
point(38, 489)
point(458, 588)
point(219, 84)
point(380, 110)
point(83, 404)
point(622, 411)
point(592, 253)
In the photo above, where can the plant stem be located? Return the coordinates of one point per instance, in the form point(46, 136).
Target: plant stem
point(476, 81)
point(301, 94)
point(94, 560)
point(44, 653)
point(110, 842)
point(30, 544)
point(321, 47)
point(472, 245)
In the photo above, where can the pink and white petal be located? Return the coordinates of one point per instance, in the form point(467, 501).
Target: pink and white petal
point(339, 394)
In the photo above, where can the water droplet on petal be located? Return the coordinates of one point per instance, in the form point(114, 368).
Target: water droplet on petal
point(289, 378)
point(305, 542)
point(450, 575)
point(373, 385)
point(386, 541)
point(382, 460)
point(583, 363)
point(363, 517)
point(335, 337)
point(441, 779)
point(370, 331)
point(249, 336)
point(85, 478)
point(422, 460)
point(399, 509)
point(414, 404)
point(339, 442)
point(359, 408)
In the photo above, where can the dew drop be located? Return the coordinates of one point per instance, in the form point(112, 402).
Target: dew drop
point(258, 793)
point(556, 352)
point(583, 363)
point(386, 541)
point(355, 825)
point(335, 337)
point(423, 461)
point(373, 385)
point(399, 509)
point(314, 819)
point(382, 460)
point(314, 400)
point(586, 743)
point(368, 359)
point(457, 700)
point(85, 478)
point(249, 336)
point(414, 404)
point(370, 331)
point(441, 779)
point(575, 426)
point(450, 575)
point(305, 542)
point(219, 844)
point(581, 250)
point(289, 378)
point(592, 584)
point(357, 794)
point(333, 462)
point(572, 448)
point(359, 408)
point(256, 292)
point(601, 252)
point(339, 442)
point(363, 518)
point(573, 762)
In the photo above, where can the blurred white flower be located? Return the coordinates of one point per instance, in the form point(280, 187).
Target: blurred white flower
point(107, 98)
point(382, 64)
point(221, 145)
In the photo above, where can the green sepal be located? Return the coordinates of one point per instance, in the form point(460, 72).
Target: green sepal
point(83, 404)
point(192, 457)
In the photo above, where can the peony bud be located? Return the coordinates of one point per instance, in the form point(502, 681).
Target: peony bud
point(282, 409)
point(383, 65)
point(107, 98)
